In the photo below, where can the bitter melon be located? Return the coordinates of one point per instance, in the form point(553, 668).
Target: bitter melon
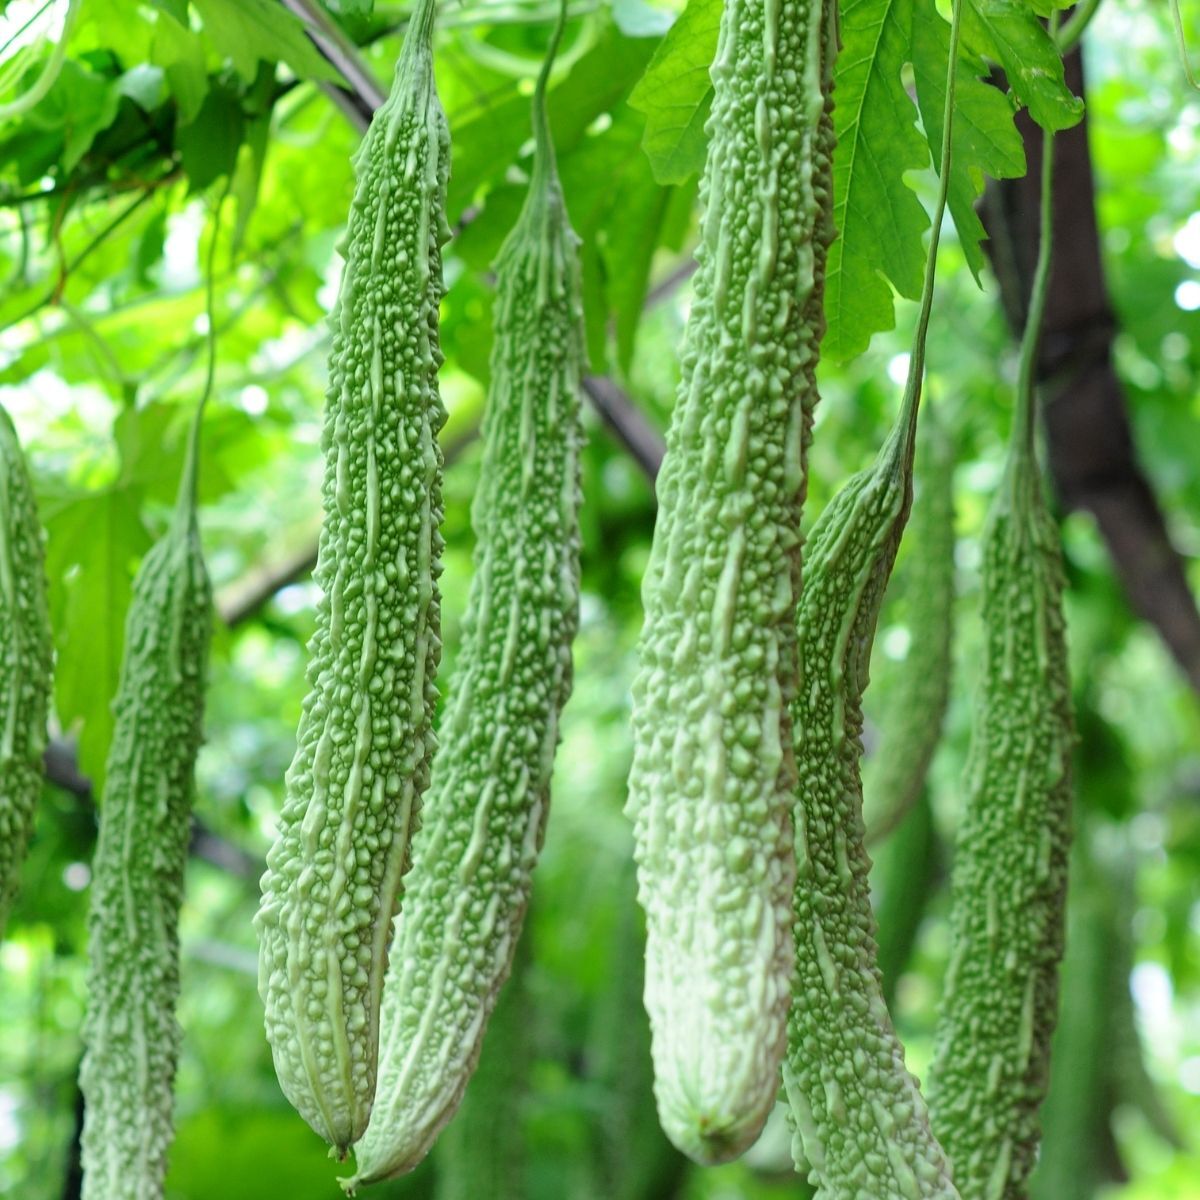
point(130, 1035)
point(912, 724)
point(1008, 884)
point(482, 1152)
point(1080, 1098)
point(713, 770)
point(26, 658)
point(861, 1121)
point(903, 879)
point(634, 1159)
point(487, 808)
point(365, 740)
point(861, 1124)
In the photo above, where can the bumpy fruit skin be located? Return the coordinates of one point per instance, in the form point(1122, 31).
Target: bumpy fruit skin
point(26, 662)
point(634, 1160)
point(860, 1121)
point(1075, 1115)
point(130, 1035)
point(1008, 885)
point(487, 807)
point(365, 740)
point(894, 776)
point(713, 772)
point(904, 878)
point(483, 1151)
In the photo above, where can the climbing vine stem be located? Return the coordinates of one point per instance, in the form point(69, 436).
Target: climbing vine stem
point(916, 362)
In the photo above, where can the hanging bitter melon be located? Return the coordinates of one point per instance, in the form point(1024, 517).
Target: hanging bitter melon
point(26, 657)
point(912, 724)
point(130, 1034)
point(713, 772)
point(861, 1124)
point(487, 807)
point(365, 739)
point(1008, 884)
point(483, 1152)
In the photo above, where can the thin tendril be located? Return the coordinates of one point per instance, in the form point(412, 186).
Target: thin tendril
point(34, 16)
point(187, 484)
point(1181, 39)
point(1070, 35)
point(1023, 422)
point(543, 158)
point(1031, 336)
point(46, 80)
point(907, 423)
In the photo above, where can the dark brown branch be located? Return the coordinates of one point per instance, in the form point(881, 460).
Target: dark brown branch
point(1093, 459)
point(62, 770)
point(364, 95)
point(245, 598)
point(623, 417)
point(661, 292)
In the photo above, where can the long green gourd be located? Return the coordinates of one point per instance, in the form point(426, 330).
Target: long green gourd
point(903, 880)
point(912, 724)
point(633, 1158)
point(483, 1150)
point(131, 1038)
point(1098, 1062)
point(713, 769)
point(487, 808)
point(26, 662)
point(1075, 1113)
point(365, 740)
point(861, 1125)
point(1008, 885)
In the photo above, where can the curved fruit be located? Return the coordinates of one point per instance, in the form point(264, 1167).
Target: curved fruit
point(862, 1127)
point(487, 806)
point(861, 1122)
point(1008, 884)
point(713, 772)
point(130, 1035)
point(895, 774)
point(26, 662)
point(365, 740)
point(1009, 881)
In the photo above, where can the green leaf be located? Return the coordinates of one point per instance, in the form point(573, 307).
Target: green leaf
point(1010, 33)
point(878, 218)
point(208, 147)
point(93, 545)
point(628, 250)
point(176, 9)
point(486, 145)
point(181, 55)
point(81, 104)
point(986, 141)
point(675, 93)
point(33, 151)
point(145, 85)
point(248, 178)
point(611, 194)
point(148, 250)
point(251, 31)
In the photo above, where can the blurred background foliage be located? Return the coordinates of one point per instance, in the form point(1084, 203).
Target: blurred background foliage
point(106, 191)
